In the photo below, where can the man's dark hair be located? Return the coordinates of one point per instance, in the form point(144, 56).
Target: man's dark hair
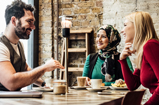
point(17, 9)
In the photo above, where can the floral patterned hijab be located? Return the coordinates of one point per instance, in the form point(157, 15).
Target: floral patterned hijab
point(108, 53)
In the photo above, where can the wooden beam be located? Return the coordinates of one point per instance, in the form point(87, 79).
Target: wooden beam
point(87, 30)
point(76, 50)
point(71, 69)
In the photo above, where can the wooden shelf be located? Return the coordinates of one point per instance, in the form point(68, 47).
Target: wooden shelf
point(87, 30)
point(76, 50)
point(76, 35)
point(71, 69)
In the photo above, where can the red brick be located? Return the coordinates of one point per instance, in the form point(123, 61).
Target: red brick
point(96, 10)
point(76, 23)
point(99, 3)
point(86, 4)
point(81, 17)
point(67, 12)
point(78, 11)
point(85, 23)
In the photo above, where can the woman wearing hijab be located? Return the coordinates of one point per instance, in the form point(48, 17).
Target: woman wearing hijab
point(104, 64)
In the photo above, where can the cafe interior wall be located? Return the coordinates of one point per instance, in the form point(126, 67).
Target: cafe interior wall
point(86, 14)
point(45, 33)
point(115, 10)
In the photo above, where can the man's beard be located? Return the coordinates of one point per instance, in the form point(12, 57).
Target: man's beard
point(21, 32)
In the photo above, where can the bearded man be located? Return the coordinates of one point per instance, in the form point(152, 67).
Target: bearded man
point(14, 71)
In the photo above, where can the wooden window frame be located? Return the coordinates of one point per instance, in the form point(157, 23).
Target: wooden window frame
point(33, 42)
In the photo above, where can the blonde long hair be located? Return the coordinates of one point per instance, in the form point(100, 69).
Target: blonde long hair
point(144, 31)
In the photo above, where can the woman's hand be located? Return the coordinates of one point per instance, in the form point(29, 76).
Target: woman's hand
point(52, 65)
point(126, 52)
point(88, 81)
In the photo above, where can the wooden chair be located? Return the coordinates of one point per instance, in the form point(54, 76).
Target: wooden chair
point(113, 102)
point(131, 98)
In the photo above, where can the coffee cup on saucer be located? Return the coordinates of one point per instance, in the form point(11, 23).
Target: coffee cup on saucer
point(81, 81)
point(96, 83)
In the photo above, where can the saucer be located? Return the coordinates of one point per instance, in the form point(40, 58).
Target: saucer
point(111, 93)
point(95, 90)
point(119, 88)
point(105, 87)
point(43, 89)
point(80, 87)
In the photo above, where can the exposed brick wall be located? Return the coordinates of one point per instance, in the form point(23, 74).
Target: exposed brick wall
point(85, 14)
point(45, 32)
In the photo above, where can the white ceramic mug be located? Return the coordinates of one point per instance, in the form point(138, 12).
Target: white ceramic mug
point(96, 83)
point(49, 82)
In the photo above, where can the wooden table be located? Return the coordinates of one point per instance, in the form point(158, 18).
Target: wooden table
point(74, 97)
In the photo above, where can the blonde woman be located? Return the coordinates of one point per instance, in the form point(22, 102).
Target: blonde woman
point(139, 31)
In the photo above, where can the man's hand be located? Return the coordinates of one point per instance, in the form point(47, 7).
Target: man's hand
point(52, 65)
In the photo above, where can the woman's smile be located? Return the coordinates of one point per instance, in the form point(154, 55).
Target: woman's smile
point(99, 44)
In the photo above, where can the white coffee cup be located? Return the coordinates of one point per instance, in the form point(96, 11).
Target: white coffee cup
point(96, 83)
point(49, 82)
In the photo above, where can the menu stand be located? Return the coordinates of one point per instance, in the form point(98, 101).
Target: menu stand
point(66, 24)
